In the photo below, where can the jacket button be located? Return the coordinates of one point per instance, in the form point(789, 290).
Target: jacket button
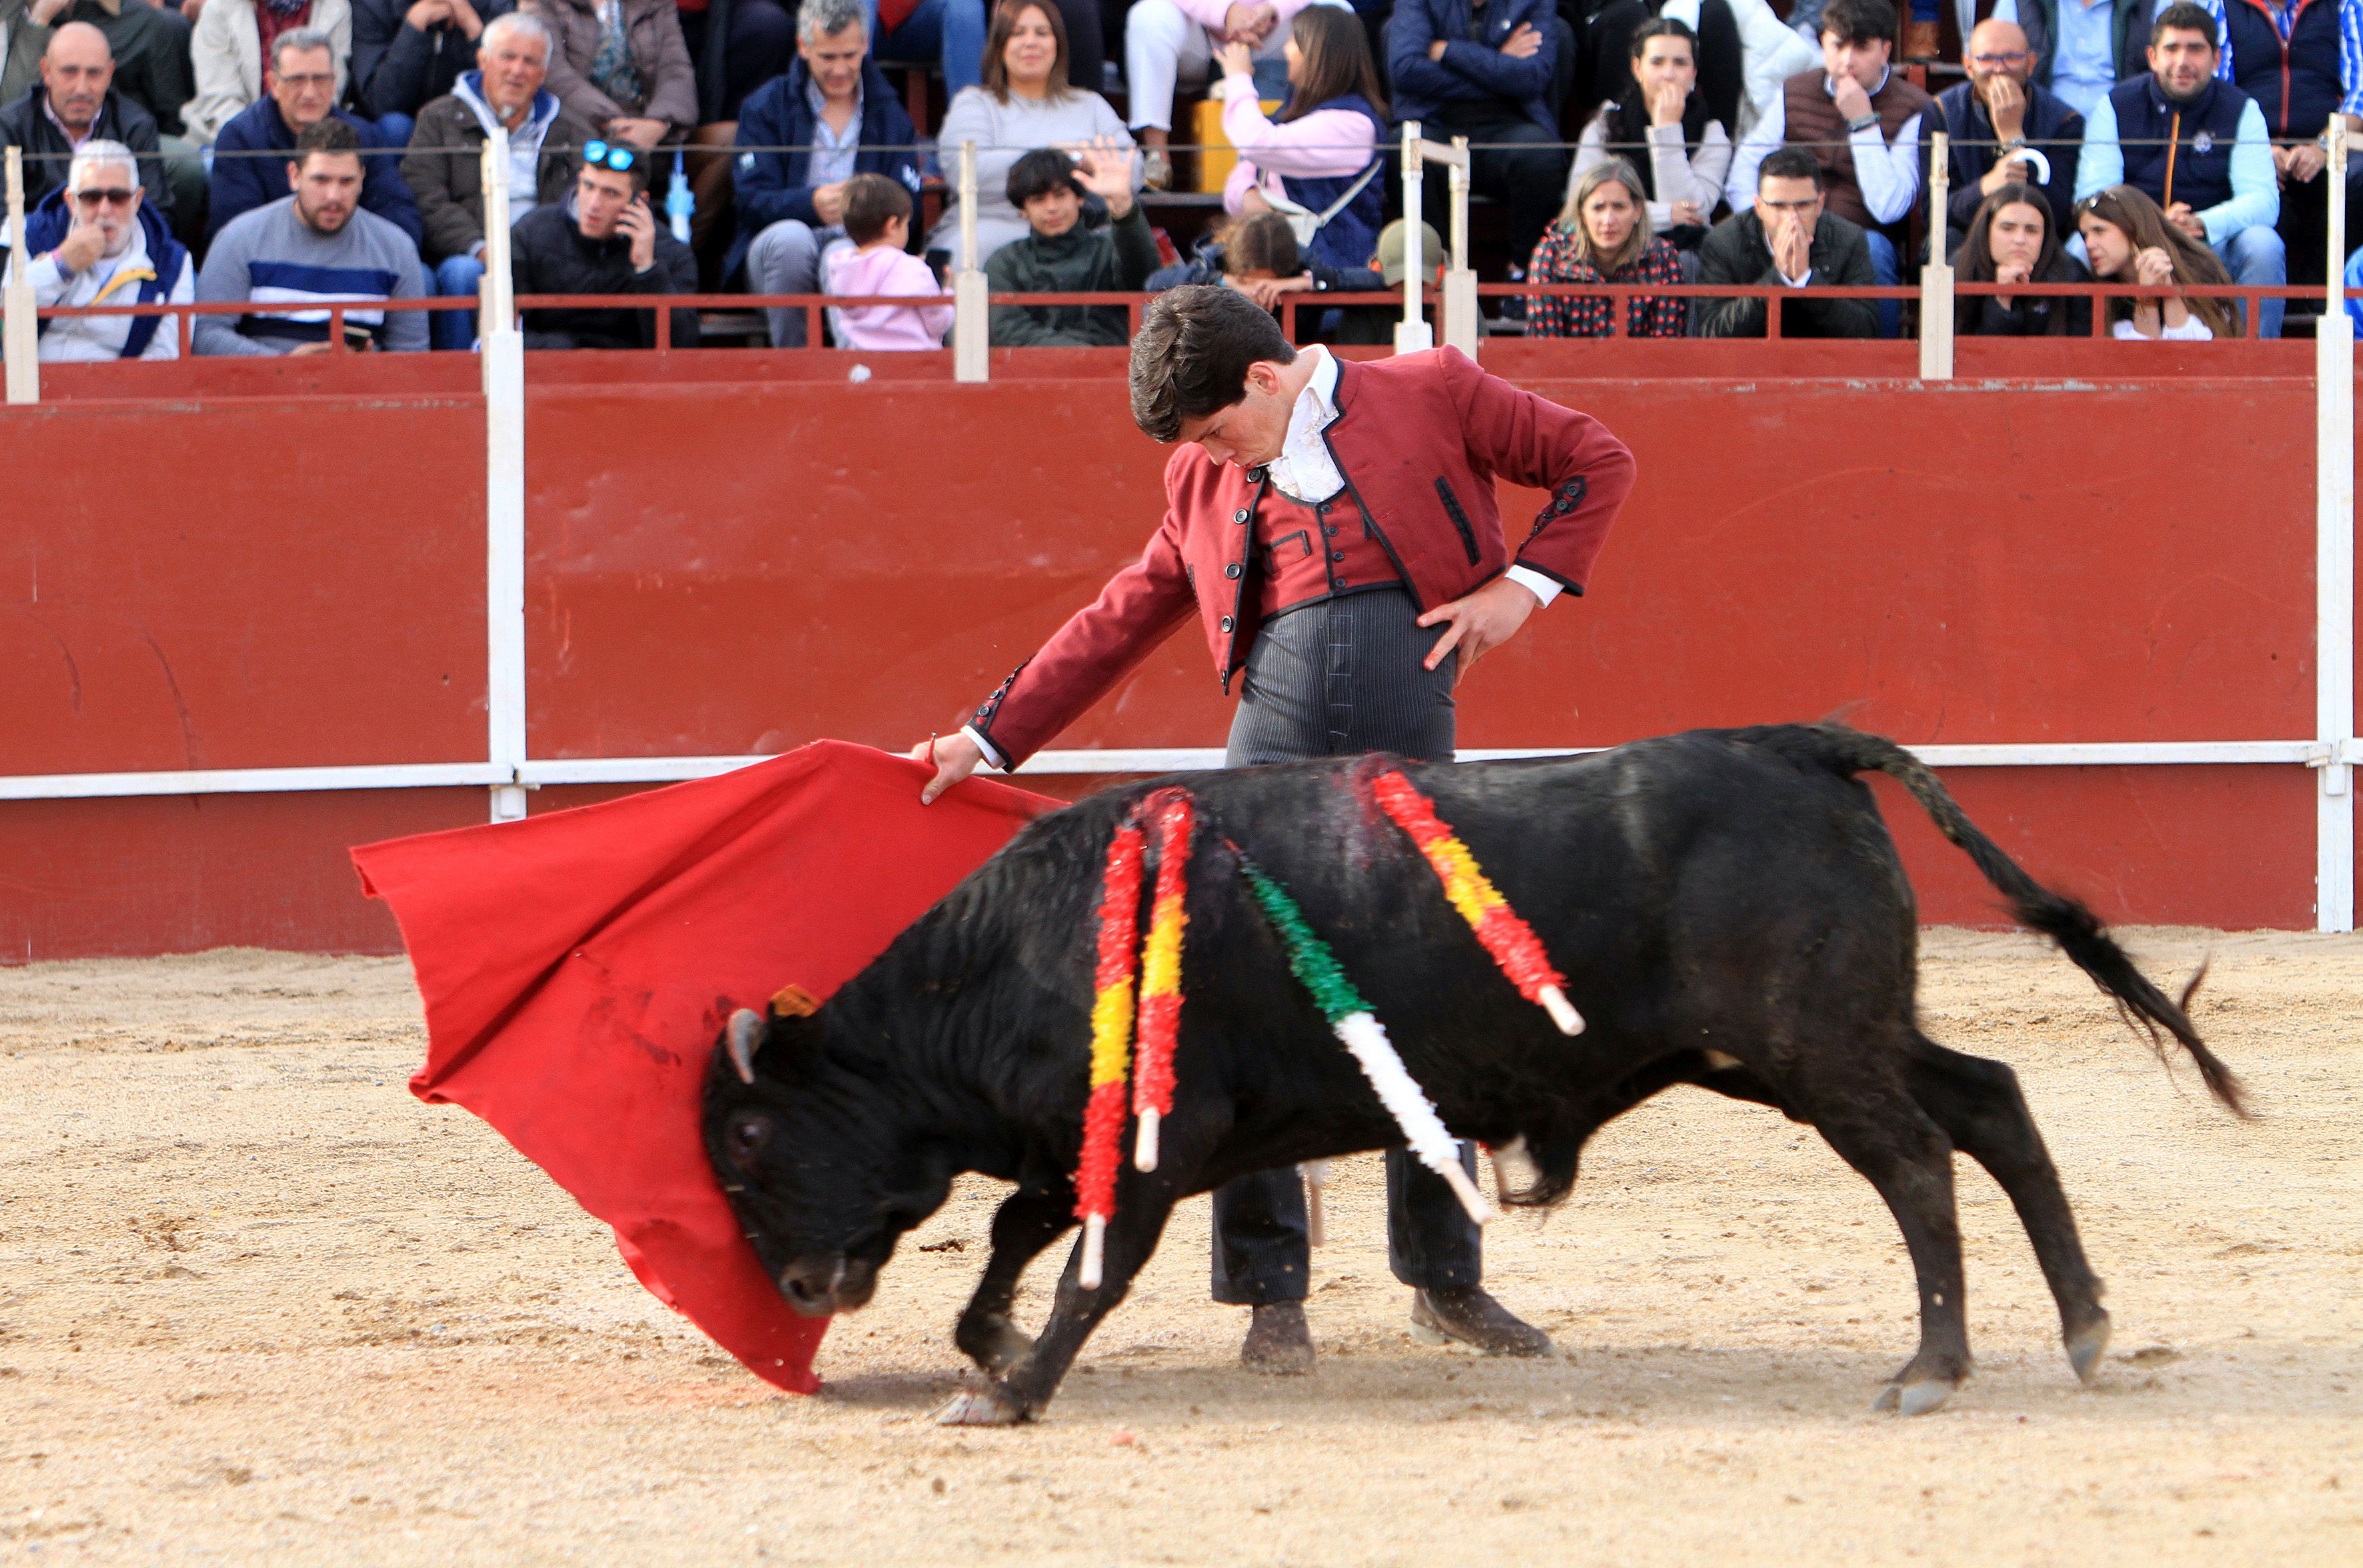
point(1331, 532)
point(1233, 570)
point(1255, 476)
point(1240, 516)
point(1337, 555)
point(1227, 623)
point(1338, 582)
point(1321, 509)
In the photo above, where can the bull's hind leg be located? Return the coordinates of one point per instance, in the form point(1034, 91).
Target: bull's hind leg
point(1979, 1105)
point(1877, 1128)
point(1028, 1220)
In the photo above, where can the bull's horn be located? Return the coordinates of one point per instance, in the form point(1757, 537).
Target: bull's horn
point(746, 1039)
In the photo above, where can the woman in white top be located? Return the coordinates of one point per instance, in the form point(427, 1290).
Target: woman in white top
point(1660, 126)
point(2128, 241)
point(1025, 103)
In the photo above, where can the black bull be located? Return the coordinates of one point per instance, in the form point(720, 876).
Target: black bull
point(1727, 905)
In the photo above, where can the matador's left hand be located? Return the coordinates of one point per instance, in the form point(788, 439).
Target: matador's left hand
point(1481, 622)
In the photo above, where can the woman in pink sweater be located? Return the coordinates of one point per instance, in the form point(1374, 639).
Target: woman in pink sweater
point(1318, 162)
point(878, 221)
point(1168, 42)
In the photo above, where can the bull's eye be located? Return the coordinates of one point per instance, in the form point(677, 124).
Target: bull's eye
point(749, 1134)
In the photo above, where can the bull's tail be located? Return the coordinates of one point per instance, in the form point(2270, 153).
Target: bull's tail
point(2065, 920)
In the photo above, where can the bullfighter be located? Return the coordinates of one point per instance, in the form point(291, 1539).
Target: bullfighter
point(1323, 515)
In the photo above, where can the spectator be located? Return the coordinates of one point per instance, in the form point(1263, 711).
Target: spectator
point(601, 238)
point(75, 101)
point(1170, 41)
point(622, 67)
point(1319, 161)
point(878, 261)
point(310, 249)
point(2012, 238)
point(505, 89)
point(835, 106)
point(2082, 47)
point(1486, 70)
point(1785, 239)
point(1744, 52)
point(2302, 63)
point(233, 39)
point(1060, 256)
point(2197, 147)
point(738, 45)
point(950, 32)
point(1661, 110)
point(148, 46)
point(408, 54)
point(1025, 101)
point(1861, 119)
point(1251, 249)
point(1603, 238)
point(299, 89)
point(97, 242)
point(2129, 240)
point(1998, 112)
point(1257, 254)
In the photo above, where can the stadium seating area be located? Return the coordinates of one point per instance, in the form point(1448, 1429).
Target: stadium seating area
point(293, 154)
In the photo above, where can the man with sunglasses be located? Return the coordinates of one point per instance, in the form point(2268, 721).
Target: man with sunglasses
point(1995, 116)
point(97, 242)
point(599, 238)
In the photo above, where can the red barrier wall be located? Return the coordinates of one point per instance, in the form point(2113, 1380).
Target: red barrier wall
point(283, 564)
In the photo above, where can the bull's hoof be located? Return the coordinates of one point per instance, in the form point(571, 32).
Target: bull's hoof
point(986, 1406)
point(1278, 1342)
point(995, 1345)
point(1467, 1315)
point(2085, 1346)
point(1915, 1399)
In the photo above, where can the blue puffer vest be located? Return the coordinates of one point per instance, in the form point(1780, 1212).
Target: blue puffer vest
point(45, 231)
point(1350, 238)
point(2296, 85)
point(2203, 131)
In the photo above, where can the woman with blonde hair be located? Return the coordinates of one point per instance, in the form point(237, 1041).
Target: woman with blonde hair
point(2128, 241)
point(1603, 237)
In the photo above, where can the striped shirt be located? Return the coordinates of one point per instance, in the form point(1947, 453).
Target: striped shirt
point(272, 257)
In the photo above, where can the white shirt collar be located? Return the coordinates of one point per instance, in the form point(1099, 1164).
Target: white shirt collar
point(1317, 405)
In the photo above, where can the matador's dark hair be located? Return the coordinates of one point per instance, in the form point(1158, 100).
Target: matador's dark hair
point(1191, 357)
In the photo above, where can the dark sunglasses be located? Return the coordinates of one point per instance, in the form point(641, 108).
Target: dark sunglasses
point(619, 158)
point(117, 197)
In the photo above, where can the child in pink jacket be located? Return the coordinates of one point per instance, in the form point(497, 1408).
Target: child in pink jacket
point(878, 221)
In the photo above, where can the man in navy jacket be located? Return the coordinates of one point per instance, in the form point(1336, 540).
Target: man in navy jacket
point(299, 88)
point(833, 103)
point(1489, 69)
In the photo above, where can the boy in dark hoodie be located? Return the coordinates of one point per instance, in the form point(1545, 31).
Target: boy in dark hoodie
point(1061, 257)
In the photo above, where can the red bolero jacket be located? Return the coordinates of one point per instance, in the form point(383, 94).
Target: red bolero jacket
point(1420, 439)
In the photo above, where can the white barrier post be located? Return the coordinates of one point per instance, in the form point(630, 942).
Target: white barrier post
point(1411, 333)
point(1462, 328)
point(504, 371)
point(1937, 277)
point(972, 309)
point(20, 339)
point(2334, 571)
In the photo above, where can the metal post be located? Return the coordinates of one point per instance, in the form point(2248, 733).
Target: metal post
point(972, 309)
point(1462, 327)
point(2334, 571)
point(1937, 277)
point(20, 339)
point(504, 371)
point(1412, 334)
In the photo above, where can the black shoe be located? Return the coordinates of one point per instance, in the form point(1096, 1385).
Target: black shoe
point(1467, 1315)
point(1278, 1342)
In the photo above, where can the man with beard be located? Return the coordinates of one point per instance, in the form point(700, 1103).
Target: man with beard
point(96, 242)
point(2000, 103)
point(75, 103)
point(2198, 147)
point(307, 250)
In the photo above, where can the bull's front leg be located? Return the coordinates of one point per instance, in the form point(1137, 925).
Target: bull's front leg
point(1028, 1220)
point(1024, 1391)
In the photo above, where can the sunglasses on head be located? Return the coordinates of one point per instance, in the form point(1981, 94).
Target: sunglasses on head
point(116, 196)
point(619, 158)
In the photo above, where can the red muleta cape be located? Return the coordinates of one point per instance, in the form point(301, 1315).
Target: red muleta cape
point(577, 967)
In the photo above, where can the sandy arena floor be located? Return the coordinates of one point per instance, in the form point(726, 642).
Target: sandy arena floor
point(256, 1304)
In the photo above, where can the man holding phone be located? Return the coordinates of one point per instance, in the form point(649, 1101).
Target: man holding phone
point(307, 250)
point(602, 238)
